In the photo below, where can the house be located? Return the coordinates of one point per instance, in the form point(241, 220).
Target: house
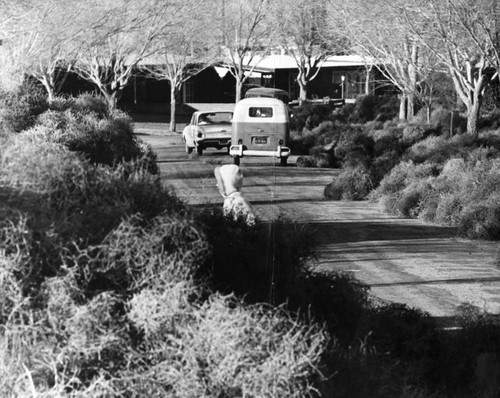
point(341, 77)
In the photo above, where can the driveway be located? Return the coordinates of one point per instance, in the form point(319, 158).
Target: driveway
point(405, 261)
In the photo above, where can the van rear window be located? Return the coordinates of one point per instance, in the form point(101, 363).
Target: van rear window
point(260, 112)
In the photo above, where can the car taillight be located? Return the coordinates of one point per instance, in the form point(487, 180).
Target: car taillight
point(280, 142)
point(240, 141)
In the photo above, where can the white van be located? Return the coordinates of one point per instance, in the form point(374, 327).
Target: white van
point(260, 127)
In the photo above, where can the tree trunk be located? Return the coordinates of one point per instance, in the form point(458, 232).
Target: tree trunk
point(49, 87)
point(402, 107)
point(302, 93)
point(239, 86)
point(302, 82)
point(111, 99)
point(412, 74)
point(410, 109)
point(472, 118)
point(470, 89)
point(474, 108)
point(367, 81)
point(173, 93)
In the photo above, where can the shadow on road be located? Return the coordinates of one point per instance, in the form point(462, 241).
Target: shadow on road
point(439, 281)
point(360, 231)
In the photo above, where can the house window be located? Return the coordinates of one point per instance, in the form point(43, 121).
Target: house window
point(190, 89)
point(293, 86)
point(348, 84)
point(267, 80)
point(337, 77)
point(355, 84)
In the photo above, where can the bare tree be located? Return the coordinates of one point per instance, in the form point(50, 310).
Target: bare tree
point(463, 34)
point(115, 44)
point(11, 12)
point(182, 50)
point(11, 65)
point(380, 32)
point(309, 36)
point(49, 32)
point(13, 47)
point(246, 35)
point(41, 38)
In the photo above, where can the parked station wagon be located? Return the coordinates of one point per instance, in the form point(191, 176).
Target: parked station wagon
point(208, 129)
point(260, 128)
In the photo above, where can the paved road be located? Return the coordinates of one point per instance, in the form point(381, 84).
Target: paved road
point(405, 261)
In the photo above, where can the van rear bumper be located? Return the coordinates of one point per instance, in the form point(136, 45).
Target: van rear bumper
point(213, 142)
point(280, 152)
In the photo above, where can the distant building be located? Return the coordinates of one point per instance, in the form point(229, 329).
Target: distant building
point(341, 77)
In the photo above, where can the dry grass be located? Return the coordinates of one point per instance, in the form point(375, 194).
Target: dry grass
point(92, 338)
point(100, 279)
point(463, 192)
point(225, 348)
point(354, 183)
point(138, 254)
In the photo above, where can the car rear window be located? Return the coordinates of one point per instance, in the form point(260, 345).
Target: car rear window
point(260, 112)
point(221, 117)
point(215, 118)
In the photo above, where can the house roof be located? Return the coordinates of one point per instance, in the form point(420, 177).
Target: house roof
point(278, 61)
point(273, 62)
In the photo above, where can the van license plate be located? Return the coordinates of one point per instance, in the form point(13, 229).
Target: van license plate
point(260, 140)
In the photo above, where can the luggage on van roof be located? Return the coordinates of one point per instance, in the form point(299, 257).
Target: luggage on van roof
point(268, 93)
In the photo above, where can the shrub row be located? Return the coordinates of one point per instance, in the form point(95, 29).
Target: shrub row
point(367, 108)
point(366, 154)
point(125, 318)
point(84, 124)
point(371, 157)
point(19, 109)
point(463, 193)
point(103, 281)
